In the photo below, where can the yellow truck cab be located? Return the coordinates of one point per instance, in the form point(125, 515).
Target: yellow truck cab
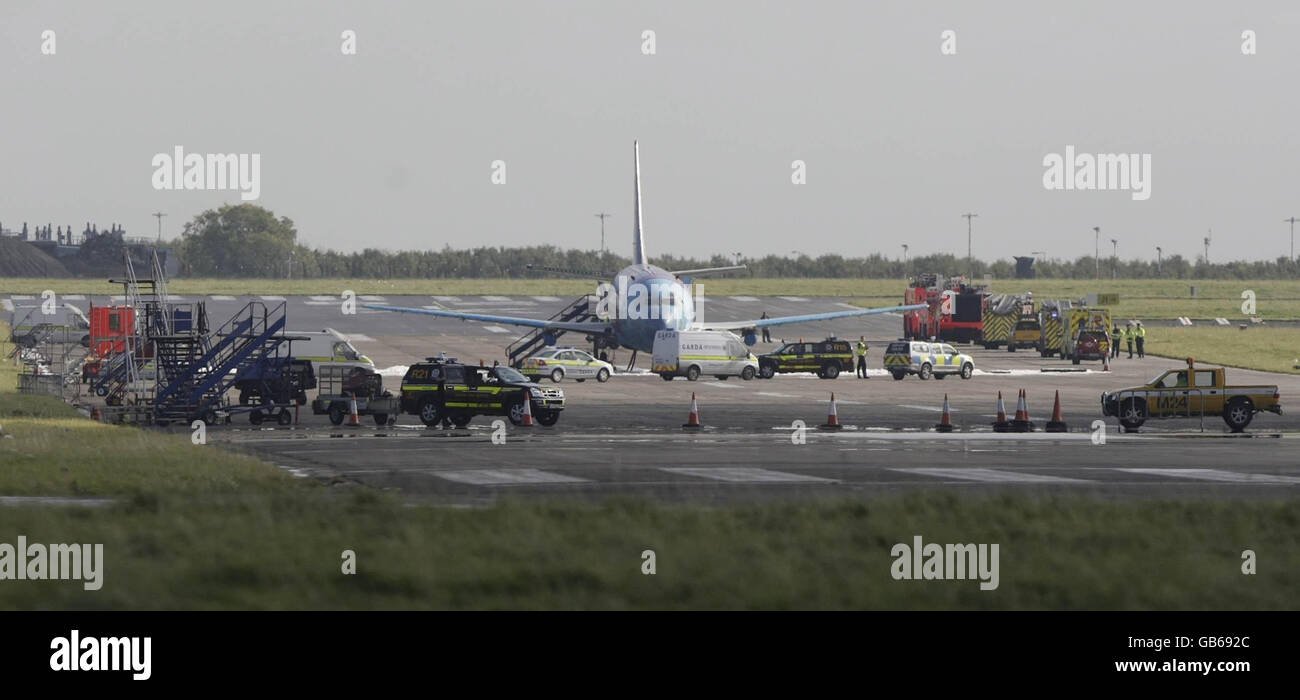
point(1191, 392)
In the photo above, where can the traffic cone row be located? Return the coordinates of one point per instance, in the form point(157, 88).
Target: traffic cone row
point(832, 418)
point(693, 420)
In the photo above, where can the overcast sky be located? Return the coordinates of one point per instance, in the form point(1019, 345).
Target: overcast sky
point(392, 147)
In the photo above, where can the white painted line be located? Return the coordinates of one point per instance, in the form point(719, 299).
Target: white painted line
point(936, 409)
point(547, 298)
point(271, 298)
point(359, 338)
point(321, 303)
point(492, 298)
point(495, 477)
point(793, 298)
point(22, 297)
point(989, 476)
point(744, 298)
point(438, 298)
point(8, 305)
point(173, 298)
point(776, 394)
point(496, 329)
point(221, 297)
point(847, 305)
point(371, 297)
point(721, 385)
point(1220, 476)
point(324, 298)
point(75, 297)
point(750, 475)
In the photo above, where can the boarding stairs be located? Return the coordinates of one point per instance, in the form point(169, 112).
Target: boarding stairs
point(578, 310)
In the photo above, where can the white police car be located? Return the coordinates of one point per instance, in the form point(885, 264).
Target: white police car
point(558, 363)
point(925, 360)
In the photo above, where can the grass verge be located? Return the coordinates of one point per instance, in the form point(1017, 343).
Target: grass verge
point(1272, 349)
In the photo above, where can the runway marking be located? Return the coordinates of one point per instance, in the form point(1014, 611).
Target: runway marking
point(75, 297)
point(8, 305)
point(776, 394)
point(495, 298)
point(496, 329)
point(721, 385)
point(495, 477)
point(170, 297)
point(323, 298)
point(547, 298)
point(372, 297)
point(989, 475)
point(793, 298)
point(271, 297)
point(935, 409)
point(444, 298)
point(751, 475)
point(320, 303)
point(1219, 475)
point(22, 297)
point(847, 305)
point(221, 297)
point(359, 337)
point(743, 298)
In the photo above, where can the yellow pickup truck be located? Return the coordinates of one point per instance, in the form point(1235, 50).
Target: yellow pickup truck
point(1191, 393)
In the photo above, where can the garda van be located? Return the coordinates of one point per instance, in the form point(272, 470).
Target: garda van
point(692, 353)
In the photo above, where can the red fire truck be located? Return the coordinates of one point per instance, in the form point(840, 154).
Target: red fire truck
point(954, 309)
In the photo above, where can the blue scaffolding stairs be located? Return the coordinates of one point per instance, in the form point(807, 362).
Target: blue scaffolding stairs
point(196, 369)
point(578, 310)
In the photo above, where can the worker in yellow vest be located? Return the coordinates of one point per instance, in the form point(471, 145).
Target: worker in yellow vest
point(861, 352)
point(1116, 338)
point(1141, 333)
point(1129, 337)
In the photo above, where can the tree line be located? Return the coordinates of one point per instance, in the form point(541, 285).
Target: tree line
point(246, 240)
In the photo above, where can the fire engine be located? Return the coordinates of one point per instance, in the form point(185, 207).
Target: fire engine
point(954, 309)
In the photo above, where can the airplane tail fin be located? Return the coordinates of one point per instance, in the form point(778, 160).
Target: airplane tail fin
point(638, 243)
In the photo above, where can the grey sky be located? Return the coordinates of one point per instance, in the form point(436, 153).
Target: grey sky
point(392, 147)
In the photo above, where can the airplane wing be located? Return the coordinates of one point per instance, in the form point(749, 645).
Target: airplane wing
point(580, 326)
point(782, 320)
point(710, 270)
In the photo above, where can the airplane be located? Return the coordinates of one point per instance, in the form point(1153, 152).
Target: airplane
point(644, 299)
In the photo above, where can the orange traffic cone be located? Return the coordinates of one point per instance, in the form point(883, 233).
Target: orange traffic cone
point(1001, 424)
point(832, 418)
point(354, 419)
point(693, 421)
point(1105, 362)
point(1057, 424)
point(1021, 423)
point(528, 414)
point(945, 423)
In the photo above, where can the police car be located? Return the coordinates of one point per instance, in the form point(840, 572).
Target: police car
point(446, 391)
point(558, 363)
point(826, 359)
point(927, 360)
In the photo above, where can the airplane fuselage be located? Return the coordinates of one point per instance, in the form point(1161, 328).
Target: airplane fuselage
point(647, 299)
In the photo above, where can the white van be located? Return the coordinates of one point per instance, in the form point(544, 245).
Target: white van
point(692, 353)
point(327, 347)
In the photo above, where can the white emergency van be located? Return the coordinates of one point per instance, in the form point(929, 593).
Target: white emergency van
point(692, 353)
point(327, 347)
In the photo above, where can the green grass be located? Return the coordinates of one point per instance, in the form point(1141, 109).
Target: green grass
point(1272, 349)
point(279, 550)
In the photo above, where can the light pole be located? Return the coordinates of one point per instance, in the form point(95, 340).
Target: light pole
point(1292, 221)
point(1207, 248)
point(1096, 249)
point(602, 216)
point(904, 261)
point(1114, 258)
point(970, 270)
point(159, 216)
point(1159, 265)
